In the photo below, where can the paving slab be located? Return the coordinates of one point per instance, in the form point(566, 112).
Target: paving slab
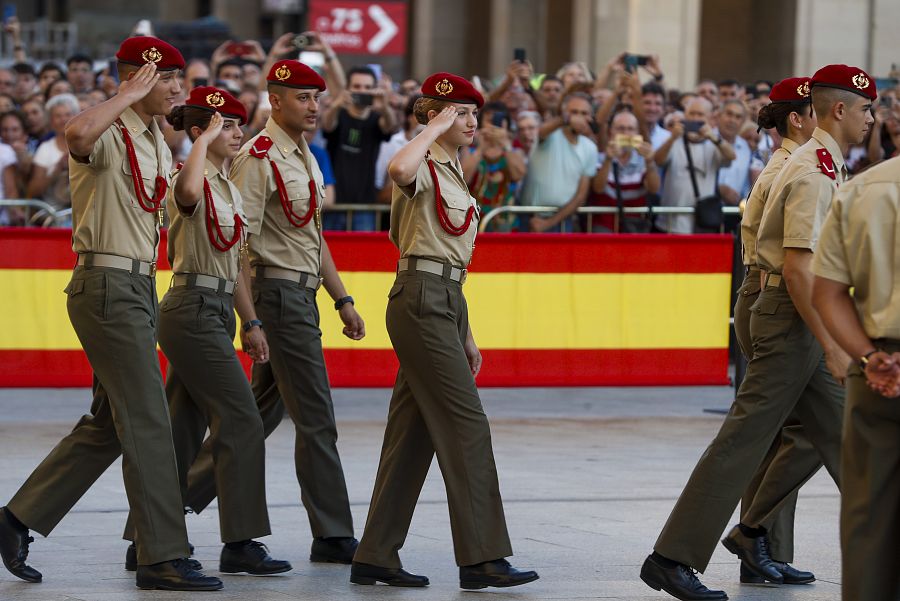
point(588, 477)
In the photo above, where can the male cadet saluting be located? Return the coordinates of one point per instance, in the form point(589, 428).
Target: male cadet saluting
point(788, 371)
point(859, 248)
point(283, 190)
point(118, 172)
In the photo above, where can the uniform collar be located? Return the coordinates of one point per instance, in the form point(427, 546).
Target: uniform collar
point(440, 155)
point(210, 171)
point(789, 145)
point(285, 144)
point(134, 124)
point(824, 138)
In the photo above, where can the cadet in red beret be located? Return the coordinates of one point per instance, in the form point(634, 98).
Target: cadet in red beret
point(435, 408)
point(119, 175)
point(788, 338)
point(205, 384)
point(282, 189)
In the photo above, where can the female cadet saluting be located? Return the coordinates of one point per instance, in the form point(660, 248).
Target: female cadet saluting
point(435, 408)
point(206, 385)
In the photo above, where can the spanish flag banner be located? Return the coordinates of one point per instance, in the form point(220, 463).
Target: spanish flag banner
point(546, 310)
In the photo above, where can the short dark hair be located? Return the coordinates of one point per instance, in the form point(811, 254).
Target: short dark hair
point(23, 69)
point(231, 62)
point(51, 67)
point(79, 58)
point(728, 83)
point(362, 71)
point(651, 87)
point(550, 78)
point(16, 114)
point(410, 108)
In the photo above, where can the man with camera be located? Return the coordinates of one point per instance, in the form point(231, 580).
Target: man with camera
point(692, 157)
point(355, 124)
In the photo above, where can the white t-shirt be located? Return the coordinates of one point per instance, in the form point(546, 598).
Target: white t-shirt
point(7, 158)
point(48, 156)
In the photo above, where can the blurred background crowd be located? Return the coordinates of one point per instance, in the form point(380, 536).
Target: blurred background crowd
point(610, 134)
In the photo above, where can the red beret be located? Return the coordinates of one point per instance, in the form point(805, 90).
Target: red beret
point(792, 89)
point(452, 88)
point(217, 100)
point(295, 74)
point(143, 49)
point(852, 79)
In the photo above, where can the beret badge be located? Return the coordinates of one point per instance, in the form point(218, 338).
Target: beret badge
point(861, 81)
point(215, 99)
point(282, 73)
point(151, 55)
point(803, 89)
point(443, 87)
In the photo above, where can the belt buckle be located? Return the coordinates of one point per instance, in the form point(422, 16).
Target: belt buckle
point(153, 269)
point(319, 281)
point(464, 273)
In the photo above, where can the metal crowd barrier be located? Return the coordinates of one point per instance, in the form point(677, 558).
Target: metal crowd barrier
point(351, 209)
point(591, 211)
point(42, 214)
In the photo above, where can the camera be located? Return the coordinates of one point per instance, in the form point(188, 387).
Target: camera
point(359, 99)
point(624, 140)
point(693, 126)
point(633, 61)
point(303, 40)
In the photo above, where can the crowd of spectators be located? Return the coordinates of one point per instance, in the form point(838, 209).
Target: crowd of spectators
point(617, 137)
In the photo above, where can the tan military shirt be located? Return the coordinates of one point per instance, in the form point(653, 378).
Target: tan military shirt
point(275, 241)
point(106, 216)
point(756, 202)
point(415, 228)
point(860, 247)
point(798, 202)
point(189, 247)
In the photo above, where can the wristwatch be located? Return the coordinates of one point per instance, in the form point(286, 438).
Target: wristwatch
point(252, 324)
point(864, 360)
point(343, 301)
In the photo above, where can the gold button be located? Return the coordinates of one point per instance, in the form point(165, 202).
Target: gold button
point(285, 149)
point(134, 130)
point(205, 172)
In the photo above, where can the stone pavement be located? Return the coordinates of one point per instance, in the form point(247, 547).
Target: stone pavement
point(588, 477)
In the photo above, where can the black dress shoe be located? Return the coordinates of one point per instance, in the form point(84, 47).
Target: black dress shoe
point(681, 582)
point(333, 550)
point(363, 573)
point(175, 575)
point(14, 549)
point(790, 574)
point(754, 554)
point(496, 573)
point(252, 558)
point(131, 559)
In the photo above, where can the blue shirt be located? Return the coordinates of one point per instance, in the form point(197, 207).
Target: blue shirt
point(737, 175)
point(324, 162)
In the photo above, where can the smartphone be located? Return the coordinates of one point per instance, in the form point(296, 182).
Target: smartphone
point(376, 68)
point(112, 68)
point(499, 119)
point(887, 101)
point(693, 126)
point(361, 100)
point(200, 82)
point(633, 61)
point(9, 11)
point(239, 48)
point(303, 40)
point(519, 55)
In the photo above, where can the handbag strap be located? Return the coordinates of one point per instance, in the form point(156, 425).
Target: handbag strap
point(619, 202)
point(690, 160)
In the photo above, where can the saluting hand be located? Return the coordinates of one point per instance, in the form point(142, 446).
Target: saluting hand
point(354, 327)
point(139, 83)
point(443, 121)
point(213, 129)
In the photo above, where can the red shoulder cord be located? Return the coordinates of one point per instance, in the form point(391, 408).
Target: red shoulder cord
point(294, 219)
point(216, 236)
point(443, 217)
point(150, 205)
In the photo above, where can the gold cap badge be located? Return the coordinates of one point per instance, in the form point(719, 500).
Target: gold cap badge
point(803, 89)
point(861, 81)
point(151, 55)
point(215, 99)
point(282, 73)
point(443, 87)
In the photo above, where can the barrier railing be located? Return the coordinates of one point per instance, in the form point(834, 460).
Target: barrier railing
point(351, 209)
point(43, 214)
point(591, 211)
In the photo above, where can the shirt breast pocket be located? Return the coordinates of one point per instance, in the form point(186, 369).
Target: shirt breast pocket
point(457, 207)
point(298, 196)
point(147, 180)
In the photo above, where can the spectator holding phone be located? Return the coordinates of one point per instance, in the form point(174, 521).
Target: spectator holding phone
point(626, 176)
point(355, 124)
point(563, 164)
point(708, 152)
